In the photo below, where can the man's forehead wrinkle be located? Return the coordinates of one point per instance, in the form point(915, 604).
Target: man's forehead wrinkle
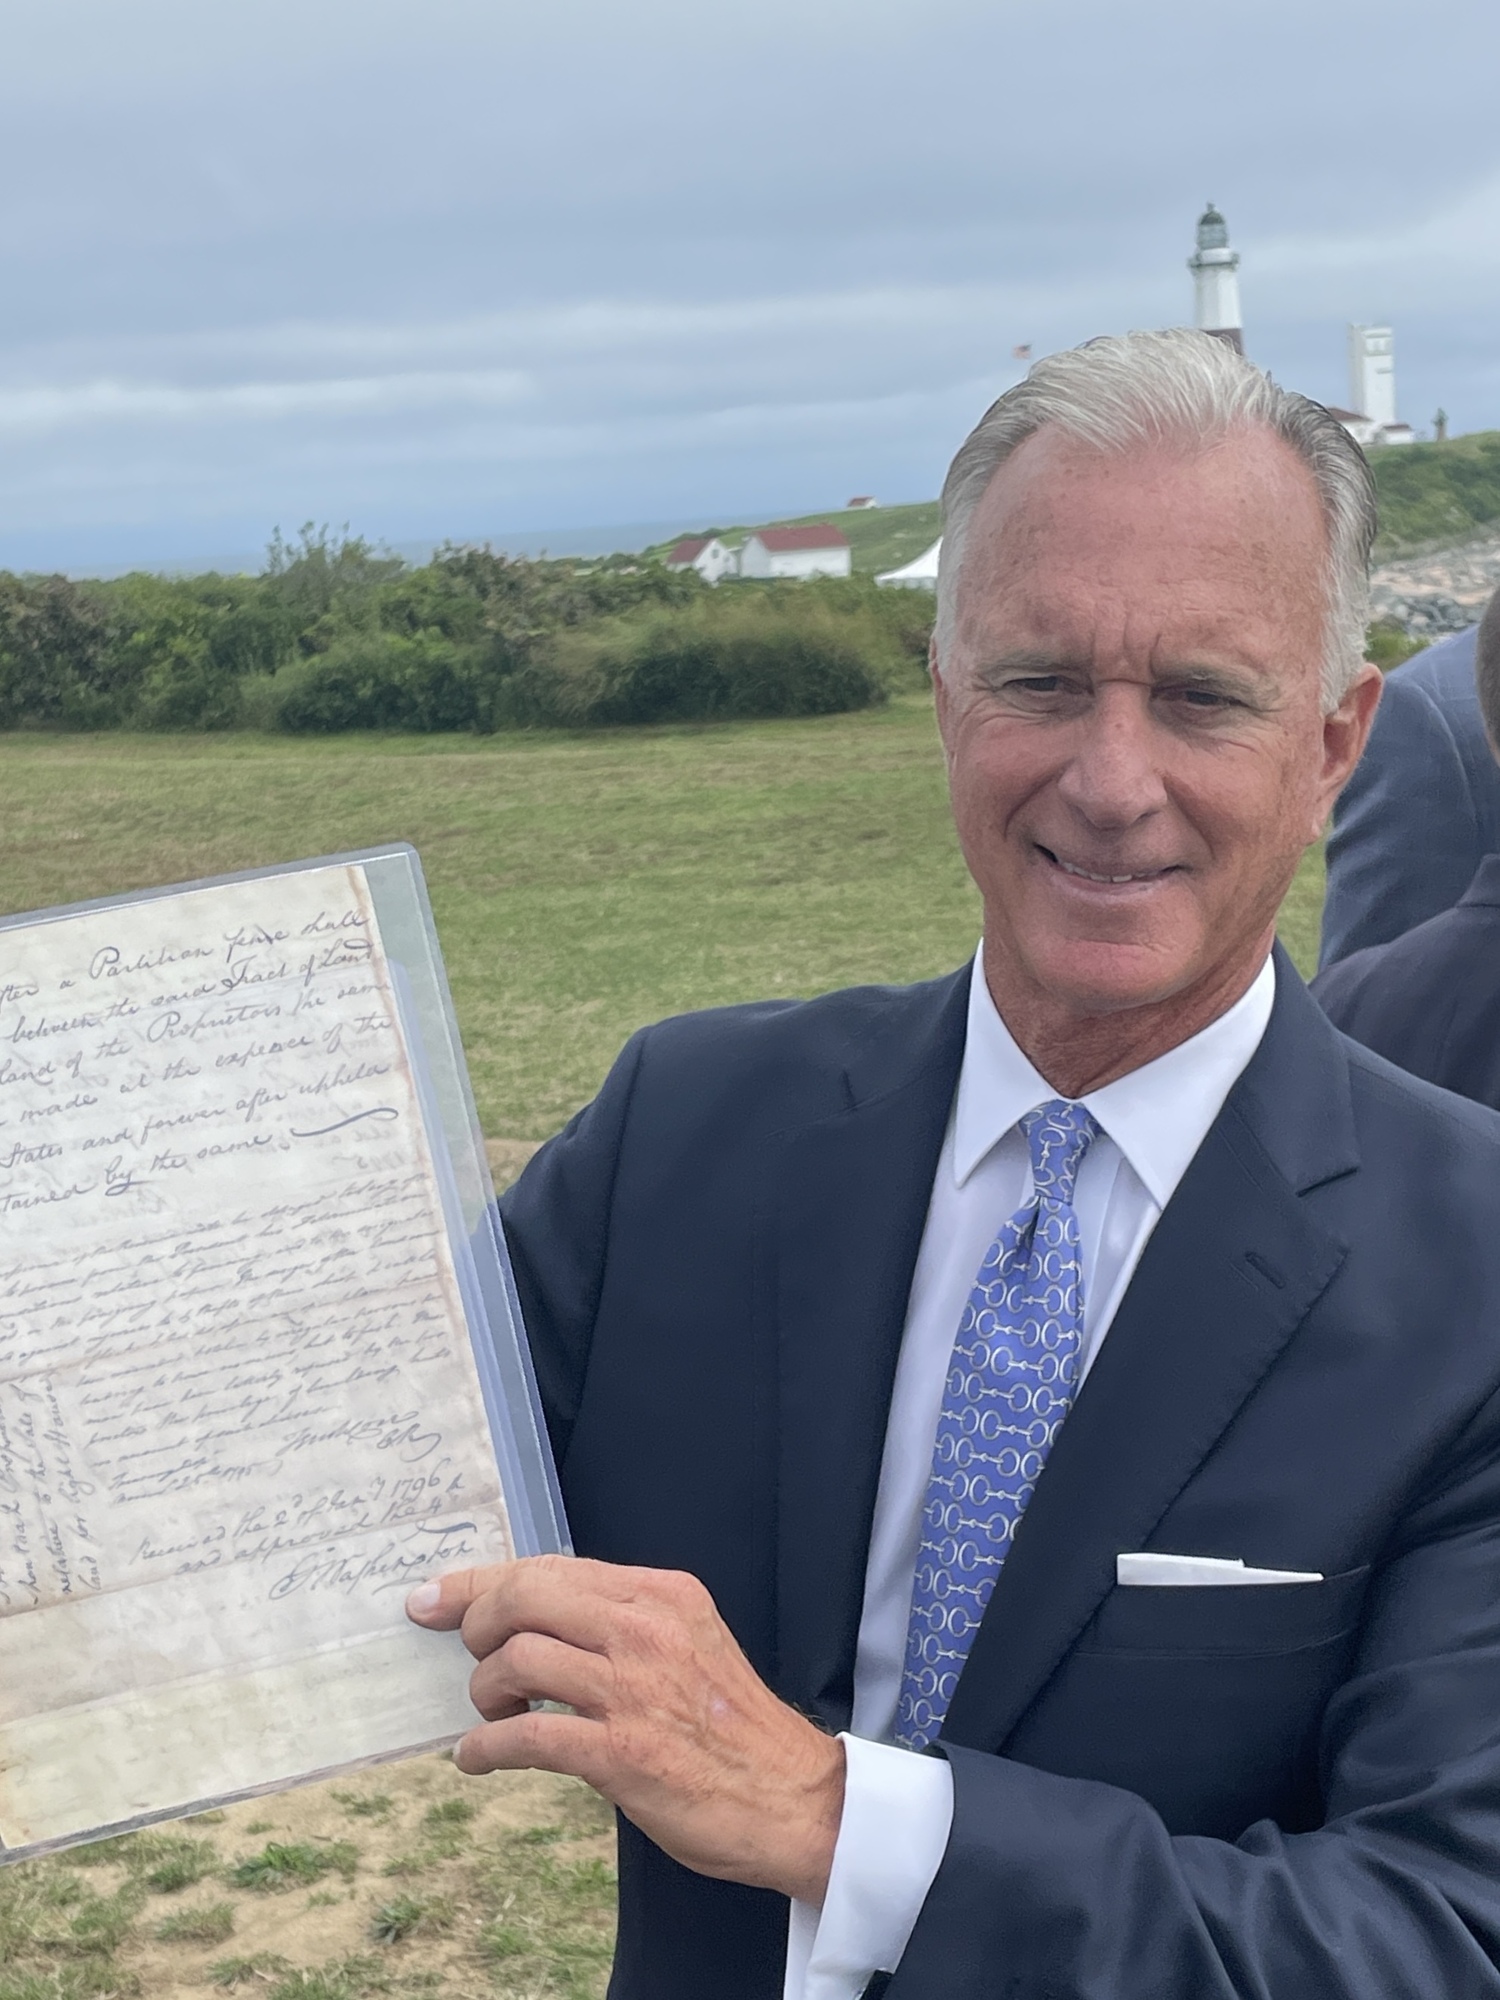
point(1045, 482)
point(1039, 568)
point(1209, 652)
point(1097, 636)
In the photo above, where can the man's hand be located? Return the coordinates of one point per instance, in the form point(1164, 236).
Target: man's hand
point(670, 1721)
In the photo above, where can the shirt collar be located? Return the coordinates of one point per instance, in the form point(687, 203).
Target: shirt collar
point(1157, 1115)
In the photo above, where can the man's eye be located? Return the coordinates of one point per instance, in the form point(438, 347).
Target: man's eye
point(1035, 687)
point(1202, 698)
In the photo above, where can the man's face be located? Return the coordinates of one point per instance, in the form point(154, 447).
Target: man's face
point(1131, 712)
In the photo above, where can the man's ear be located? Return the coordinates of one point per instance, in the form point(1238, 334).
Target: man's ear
point(1346, 730)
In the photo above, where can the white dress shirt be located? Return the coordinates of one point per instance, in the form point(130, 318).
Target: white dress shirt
point(898, 1806)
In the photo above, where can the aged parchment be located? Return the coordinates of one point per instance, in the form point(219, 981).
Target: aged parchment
point(239, 1410)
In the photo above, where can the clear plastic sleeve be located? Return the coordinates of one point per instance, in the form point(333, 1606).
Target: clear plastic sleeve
point(262, 1363)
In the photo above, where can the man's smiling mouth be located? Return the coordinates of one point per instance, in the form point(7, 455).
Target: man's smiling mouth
point(1089, 875)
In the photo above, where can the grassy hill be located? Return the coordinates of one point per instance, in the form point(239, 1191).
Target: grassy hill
point(1434, 494)
point(879, 537)
point(1430, 495)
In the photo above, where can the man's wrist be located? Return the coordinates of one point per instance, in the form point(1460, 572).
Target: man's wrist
point(809, 1860)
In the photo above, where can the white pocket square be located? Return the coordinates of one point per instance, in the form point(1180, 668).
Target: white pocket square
point(1150, 1569)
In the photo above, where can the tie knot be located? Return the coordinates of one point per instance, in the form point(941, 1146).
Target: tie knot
point(1059, 1133)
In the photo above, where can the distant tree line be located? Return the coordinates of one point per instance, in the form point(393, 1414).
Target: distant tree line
point(335, 634)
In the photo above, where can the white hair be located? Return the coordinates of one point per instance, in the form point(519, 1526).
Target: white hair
point(1135, 390)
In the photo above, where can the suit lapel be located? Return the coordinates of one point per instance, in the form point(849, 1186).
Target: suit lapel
point(845, 1222)
point(1232, 1269)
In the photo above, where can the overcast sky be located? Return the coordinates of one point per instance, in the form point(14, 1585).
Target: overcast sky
point(470, 268)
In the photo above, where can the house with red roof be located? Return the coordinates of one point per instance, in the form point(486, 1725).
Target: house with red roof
point(795, 552)
point(704, 553)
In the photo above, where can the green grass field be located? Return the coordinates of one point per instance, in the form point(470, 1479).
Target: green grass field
point(583, 885)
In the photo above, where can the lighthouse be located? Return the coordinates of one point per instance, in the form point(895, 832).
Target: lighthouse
point(1215, 284)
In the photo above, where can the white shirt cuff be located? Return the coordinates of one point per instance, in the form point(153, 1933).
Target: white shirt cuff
point(898, 1812)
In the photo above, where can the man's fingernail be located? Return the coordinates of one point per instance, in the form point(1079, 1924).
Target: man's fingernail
point(426, 1597)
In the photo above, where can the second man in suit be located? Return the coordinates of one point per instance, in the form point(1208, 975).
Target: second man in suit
point(1421, 810)
point(1430, 999)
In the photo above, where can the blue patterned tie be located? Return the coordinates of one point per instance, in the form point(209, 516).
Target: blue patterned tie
point(1011, 1382)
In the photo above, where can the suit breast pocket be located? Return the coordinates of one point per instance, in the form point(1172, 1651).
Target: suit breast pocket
point(1205, 1700)
point(1217, 1619)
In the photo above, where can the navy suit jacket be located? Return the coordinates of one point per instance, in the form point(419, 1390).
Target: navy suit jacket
point(1430, 1000)
point(1422, 809)
point(1160, 1794)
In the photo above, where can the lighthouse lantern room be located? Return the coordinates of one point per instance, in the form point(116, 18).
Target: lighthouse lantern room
point(1216, 284)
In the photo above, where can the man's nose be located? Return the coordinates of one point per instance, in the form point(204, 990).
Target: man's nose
point(1113, 778)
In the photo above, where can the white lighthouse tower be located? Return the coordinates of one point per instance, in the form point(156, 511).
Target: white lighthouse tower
point(1372, 389)
point(1372, 374)
point(1215, 284)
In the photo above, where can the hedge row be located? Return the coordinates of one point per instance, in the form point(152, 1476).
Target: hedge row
point(335, 636)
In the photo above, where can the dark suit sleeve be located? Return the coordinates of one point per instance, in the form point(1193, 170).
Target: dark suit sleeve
point(556, 1220)
point(1062, 1889)
point(1406, 835)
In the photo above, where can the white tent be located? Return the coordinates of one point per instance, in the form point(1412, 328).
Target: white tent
point(920, 574)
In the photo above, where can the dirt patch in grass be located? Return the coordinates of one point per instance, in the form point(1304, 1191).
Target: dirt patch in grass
point(467, 1889)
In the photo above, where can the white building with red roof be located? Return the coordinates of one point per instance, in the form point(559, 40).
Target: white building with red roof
point(795, 552)
point(704, 553)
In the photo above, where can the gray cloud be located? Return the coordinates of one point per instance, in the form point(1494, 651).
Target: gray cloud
point(470, 268)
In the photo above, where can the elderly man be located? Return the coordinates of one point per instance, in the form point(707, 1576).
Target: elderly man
point(1035, 1437)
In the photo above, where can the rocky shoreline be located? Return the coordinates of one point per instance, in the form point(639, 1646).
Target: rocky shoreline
point(1443, 591)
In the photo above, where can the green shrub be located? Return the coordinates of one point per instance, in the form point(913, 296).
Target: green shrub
point(379, 680)
point(902, 619)
point(59, 661)
point(1388, 643)
point(1437, 493)
point(182, 689)
point(727, 660)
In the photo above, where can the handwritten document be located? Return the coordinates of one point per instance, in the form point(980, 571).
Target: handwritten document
point(239, 1408)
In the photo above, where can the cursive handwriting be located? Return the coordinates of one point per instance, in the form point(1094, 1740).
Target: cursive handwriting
point(231, 1338)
